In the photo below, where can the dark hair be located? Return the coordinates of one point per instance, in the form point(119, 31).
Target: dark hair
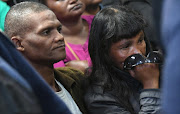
point(16, 22)
point(110, 25)
point(43, 2)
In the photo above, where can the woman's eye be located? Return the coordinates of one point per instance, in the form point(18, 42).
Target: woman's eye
point(141, 40)
point(125, 47)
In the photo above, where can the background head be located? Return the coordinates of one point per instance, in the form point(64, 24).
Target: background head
point(110, 25)
point(36, 32)
point(65, 9)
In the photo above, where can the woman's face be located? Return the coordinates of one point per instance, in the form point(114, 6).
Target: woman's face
point(122, 49)
point(66, 9)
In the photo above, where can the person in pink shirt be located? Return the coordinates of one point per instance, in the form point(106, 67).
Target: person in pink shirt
point(81, 51)
point(75, 30)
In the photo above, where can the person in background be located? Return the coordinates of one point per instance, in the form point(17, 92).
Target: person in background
point(117, 35)
point(36, 32)
point(17, 95)
point(170, 38)
point(4, 8)
point(75, 30)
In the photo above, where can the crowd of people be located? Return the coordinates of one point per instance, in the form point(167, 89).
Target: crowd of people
point(87, 57)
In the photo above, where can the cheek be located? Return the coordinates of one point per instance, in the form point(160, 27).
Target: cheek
point(36, 44)
point(33, 47)
point(118, 58)
point(83, 7)
point(50, 4)
point(143, 50)
point(85, 2)
point(56, 7)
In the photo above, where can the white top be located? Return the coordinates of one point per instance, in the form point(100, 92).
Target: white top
point(68, 100)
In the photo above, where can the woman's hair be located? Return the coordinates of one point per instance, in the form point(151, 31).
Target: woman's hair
point(110, 25)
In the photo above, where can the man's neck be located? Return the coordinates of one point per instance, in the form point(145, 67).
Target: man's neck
point(47, 73)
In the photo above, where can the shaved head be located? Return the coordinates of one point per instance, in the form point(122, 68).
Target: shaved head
point(17, 19)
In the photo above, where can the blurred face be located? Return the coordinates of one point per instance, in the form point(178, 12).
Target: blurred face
point(65, 9)
point(120, 50)
point(91, 2)
point(43, 42)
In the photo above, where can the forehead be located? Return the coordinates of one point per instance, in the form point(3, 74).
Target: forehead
point(134, 38)
point(41, 19)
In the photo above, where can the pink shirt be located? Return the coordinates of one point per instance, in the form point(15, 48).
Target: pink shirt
point(80, 50)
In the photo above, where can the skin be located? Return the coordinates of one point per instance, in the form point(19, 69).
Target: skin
point(148, 73)
point(43, 44)
point(74, 29)
point(66, 9)
point(82, 65)
point(92, 6)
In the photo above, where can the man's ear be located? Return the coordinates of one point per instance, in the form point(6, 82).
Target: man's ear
point(17, 40)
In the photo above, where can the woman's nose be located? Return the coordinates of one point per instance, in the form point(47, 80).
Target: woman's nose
point(136, 50)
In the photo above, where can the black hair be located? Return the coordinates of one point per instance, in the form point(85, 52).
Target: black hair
point(110, 25)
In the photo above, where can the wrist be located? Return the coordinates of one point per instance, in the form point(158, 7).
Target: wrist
point(151, 85)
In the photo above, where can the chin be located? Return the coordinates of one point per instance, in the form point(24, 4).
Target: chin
point(78, 14)
point(59, 59)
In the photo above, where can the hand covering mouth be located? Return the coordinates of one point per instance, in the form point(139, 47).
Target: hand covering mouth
point(137, 59)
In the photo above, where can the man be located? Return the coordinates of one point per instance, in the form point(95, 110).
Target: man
point(17, 94)
point(36, 32)
point(170, 38)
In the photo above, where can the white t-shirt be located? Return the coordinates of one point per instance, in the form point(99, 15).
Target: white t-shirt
point(68, 100)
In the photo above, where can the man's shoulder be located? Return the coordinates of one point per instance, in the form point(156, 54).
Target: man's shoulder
point(69, 71)
point(68, 74)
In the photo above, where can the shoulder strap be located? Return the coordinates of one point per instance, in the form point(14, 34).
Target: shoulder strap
point(71, 50)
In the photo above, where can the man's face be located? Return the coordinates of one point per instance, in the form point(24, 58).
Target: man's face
point(43, 42)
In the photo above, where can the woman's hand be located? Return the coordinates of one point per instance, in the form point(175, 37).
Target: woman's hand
point(147, 74)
